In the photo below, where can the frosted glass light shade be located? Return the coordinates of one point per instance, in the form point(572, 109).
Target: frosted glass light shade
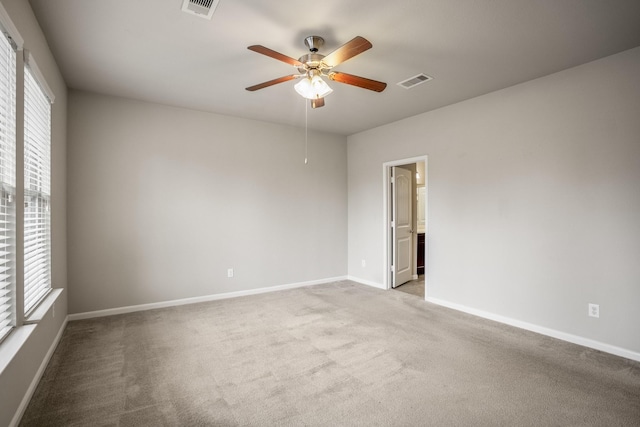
point(313, 88)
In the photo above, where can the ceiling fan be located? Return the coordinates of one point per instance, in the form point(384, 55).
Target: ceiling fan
point(313, 66)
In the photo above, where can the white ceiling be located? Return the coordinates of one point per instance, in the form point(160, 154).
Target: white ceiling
point(151, 50)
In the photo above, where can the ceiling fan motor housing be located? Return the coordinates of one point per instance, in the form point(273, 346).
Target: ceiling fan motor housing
point(311, 61)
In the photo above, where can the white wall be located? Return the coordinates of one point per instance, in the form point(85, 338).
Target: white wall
point(164, 200)
point(24, 364)
point(533, 200)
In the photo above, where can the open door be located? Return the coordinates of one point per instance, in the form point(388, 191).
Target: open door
point(401, 226)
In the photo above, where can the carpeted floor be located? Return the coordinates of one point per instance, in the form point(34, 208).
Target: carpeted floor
point(334, 354)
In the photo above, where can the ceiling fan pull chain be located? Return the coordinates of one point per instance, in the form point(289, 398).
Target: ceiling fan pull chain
point(306, 136)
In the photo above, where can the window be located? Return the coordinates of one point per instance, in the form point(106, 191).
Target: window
point(25, 151)
point(37, 191)
point(7, 184)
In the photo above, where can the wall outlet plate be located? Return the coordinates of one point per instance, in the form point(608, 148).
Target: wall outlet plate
point(594, 310)
point(230, 272)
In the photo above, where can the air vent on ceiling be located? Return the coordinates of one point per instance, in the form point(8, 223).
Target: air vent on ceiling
point(201, 8)
point(415, 81)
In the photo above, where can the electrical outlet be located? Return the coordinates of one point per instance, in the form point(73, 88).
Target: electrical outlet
point(230, 272)
point(364, 263)
point(594, 310)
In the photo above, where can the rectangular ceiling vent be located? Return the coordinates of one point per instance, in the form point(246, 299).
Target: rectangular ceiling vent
point(415, 81)
point(201, 8)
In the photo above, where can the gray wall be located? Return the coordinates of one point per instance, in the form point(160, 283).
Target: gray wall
point(164, 200)
point(16, 378)
point(533, 200)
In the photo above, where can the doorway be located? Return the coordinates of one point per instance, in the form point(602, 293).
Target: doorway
point(394, 244)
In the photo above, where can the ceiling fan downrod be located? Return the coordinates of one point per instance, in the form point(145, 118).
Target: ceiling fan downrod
point(314, 43)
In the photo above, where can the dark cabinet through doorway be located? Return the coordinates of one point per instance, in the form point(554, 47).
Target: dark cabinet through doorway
point(420, 253)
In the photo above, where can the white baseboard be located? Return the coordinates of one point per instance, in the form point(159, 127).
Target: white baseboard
point(205, 298)
point(366, 282)
point(575, 339)
point(36, 379)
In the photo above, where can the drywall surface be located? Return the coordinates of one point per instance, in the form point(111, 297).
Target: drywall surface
point(24, 364)
point(533, 200)
point(163, 201)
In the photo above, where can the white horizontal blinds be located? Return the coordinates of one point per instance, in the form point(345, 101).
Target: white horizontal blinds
point(37, 192)
point(7, 185)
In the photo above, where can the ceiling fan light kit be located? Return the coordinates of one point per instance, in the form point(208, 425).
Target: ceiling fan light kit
point(312, 87)
point(313, 66)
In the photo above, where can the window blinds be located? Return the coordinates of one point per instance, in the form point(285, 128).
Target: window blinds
point(7, 185)
point(37, 191)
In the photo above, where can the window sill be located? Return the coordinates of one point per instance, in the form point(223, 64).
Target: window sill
point(12, 344)
point(43, 308)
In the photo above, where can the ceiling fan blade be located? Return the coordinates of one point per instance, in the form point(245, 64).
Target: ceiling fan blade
point(362, 82)
point(347, 51)
point(317, 103)
point(272, 82)
point(275, 55)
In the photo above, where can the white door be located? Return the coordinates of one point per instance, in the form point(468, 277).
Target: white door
point(402, 226)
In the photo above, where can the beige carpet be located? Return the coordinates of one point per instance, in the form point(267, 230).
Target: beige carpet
point(335, 354)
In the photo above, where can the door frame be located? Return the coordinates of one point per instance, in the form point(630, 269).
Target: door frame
point(387, 252)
